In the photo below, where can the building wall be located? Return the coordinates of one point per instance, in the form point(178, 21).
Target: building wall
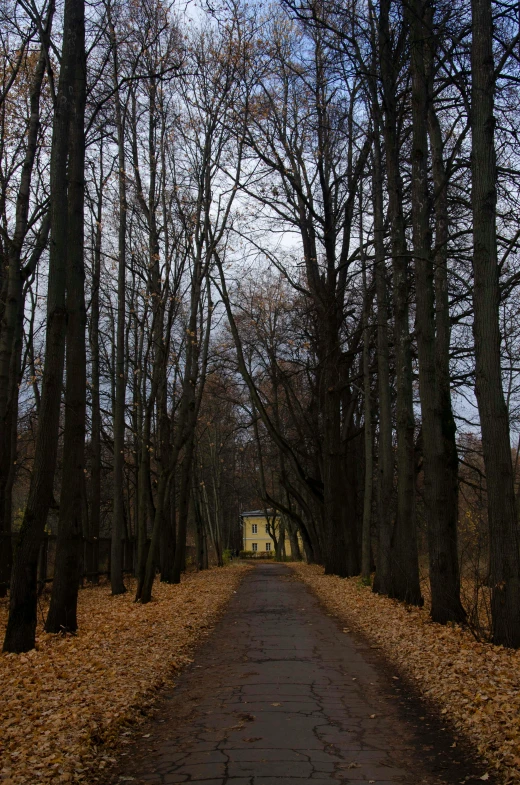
point(258, 536)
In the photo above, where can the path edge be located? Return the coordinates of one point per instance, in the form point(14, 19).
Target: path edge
point(419, 702)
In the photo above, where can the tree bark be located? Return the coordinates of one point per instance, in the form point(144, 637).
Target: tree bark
point(443, 327)
point(168, 534)
point(405, 585)
point(201, 537)
point(184, 499)
point(62, 614)
point(11, 324)
point(95, 437)
point(143, 486)
point(441, 521)
point(341, 555)
point(366, 550)
point(385, 462)
point(116, 546)
point(494, 420)
point(21, 626)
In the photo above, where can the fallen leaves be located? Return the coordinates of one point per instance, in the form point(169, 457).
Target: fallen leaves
point(63, 705)
point(475, 685)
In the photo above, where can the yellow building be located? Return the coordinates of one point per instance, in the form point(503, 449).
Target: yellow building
point(255, 532)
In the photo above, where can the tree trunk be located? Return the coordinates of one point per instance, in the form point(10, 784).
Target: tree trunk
point(296, 554)
point(116, 547)
point(184, 499)
point(450, 457)
point(341, 551)
point(63, 607)
point(442, 317)
point(95, 438)
point(169, 531)
point(441, 521)
point(142, 519)
point(153, 551)
point(11, 324)
point(503, 528)
point(368, 434)
point(405, 585)
point(21, 626)
point(202, 551)
point(385, 463)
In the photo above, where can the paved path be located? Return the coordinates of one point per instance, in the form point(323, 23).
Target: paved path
point(278, 695)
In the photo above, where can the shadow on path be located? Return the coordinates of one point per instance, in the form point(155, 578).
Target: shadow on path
point(279, 694)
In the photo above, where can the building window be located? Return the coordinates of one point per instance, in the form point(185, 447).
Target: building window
point(267, 528)
point(254, 546)
point(268, 546)
point(254, 528)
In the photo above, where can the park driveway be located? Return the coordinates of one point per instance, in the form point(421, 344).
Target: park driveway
point(279, 695)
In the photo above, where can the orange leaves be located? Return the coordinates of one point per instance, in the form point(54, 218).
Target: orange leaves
point(62, 705)
point(475, 685)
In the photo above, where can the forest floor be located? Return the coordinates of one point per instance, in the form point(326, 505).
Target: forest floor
point(64, 705)
point(474, 686)
point(369, 685)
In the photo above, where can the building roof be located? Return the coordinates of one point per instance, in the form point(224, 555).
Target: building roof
point(256, 513)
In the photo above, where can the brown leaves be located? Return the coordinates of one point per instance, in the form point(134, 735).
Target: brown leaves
point(475, 685)
point(62, 706)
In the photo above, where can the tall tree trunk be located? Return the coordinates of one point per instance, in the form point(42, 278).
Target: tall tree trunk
point(153, 551)
point(296, 554)
point(494, 420)
point(63, 607)
point(279, 551)
point(306, 521)
point(341, 551)
point(11, 324)
point(21, 626)
point(116, 547)
point(95, 439)
point(441, 521)
point(158, 392)
point(144, 492)
point(385, 463)
point(164, 448)
point(405, 585)
point(202, 551)
point(443, 329)
point(366, 550)
point(184, 500)
point(168, 534)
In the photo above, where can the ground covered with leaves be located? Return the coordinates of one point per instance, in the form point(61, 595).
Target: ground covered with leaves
point(475, 686)
point(64, 705)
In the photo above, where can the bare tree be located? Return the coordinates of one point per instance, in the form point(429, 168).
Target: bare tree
point(504, 543)
point(21, 625)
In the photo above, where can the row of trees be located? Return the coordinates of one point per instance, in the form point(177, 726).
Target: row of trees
point(368, 128)
point(278, 249)
point(127, 190)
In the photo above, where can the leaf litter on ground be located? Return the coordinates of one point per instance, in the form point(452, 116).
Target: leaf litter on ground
point(474, 685)
point(66, 704)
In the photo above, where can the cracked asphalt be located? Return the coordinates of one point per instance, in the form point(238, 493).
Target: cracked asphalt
point(279, 694)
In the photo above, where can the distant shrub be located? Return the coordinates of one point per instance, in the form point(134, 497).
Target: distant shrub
point(226, 556)
point(257, 554)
